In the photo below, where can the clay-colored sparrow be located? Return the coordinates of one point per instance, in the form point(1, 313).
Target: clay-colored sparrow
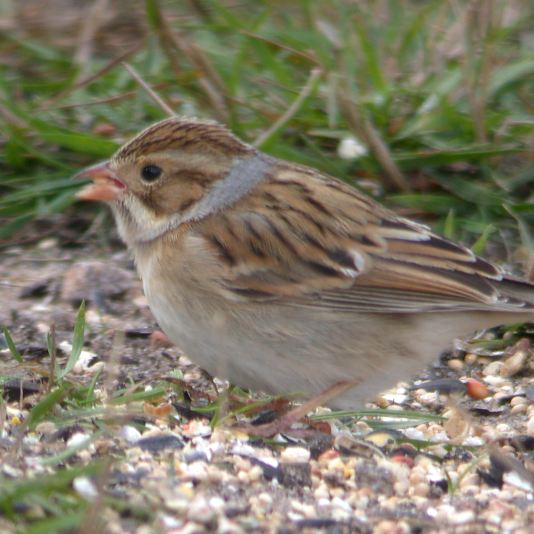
point(281, 278)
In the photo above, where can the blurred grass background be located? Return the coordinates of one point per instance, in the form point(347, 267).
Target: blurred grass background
point(438, 96)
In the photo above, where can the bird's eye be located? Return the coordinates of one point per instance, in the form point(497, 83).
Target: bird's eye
point(149, 173)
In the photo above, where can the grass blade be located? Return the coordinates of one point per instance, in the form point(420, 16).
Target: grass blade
point(44, 407)
point(77, 341)
point(11, 345)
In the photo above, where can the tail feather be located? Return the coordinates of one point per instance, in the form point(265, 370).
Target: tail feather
point(518, 293)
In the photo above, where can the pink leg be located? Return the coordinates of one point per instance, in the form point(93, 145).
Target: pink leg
point(283, 423)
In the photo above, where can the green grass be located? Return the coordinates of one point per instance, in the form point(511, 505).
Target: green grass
point(440, 96)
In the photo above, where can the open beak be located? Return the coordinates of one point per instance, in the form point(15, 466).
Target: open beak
point(106, 186)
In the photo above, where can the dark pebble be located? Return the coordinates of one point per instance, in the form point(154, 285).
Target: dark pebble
point(159, 443)
point(295, 474)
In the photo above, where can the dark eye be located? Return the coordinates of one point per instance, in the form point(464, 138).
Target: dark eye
point(149, 173)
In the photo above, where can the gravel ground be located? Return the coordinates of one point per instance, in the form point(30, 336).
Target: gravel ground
point(472, 471)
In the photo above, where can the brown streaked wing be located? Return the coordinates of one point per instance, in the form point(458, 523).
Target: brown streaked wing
point(311, 240)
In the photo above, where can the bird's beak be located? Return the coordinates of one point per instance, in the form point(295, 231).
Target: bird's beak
point(106, 186)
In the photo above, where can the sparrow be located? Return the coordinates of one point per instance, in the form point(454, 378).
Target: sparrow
point(280, 278)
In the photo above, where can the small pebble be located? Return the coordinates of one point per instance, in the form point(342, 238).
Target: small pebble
point(86, 360)
point(476, 390)
point(470, 358)
point(295, 454)
point(493, 368)
point(459, 518)
point(201, 512)
point(518, 400)
point(47, 244)
point(198, 471)
point(46, 428)
point(514, 363)
point(77, 439)
point(141, 301)
point(473, 441)
point(495, 381)
point(456, 426)
point(321, 492)
point(382, 402)
point(518, 408)
point(158, 442)
point(455, 364)
point(421, 490)
point(85, 488)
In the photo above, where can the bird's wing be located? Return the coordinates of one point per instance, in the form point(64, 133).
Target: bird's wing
point(309, 240)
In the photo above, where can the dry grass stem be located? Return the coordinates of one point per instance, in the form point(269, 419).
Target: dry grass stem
point(53, 355)
point(97, 14)
point(82, 82)
point(314, 76)
point(364, 128)
point(159, 101)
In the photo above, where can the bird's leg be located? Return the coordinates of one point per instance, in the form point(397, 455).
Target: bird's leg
point(284, 422)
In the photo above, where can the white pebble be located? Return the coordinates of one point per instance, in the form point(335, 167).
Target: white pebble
point(341, 504)
point(493, 368)
point(295, 455)
point(473, 441)
point(514, 363)
point(321, 492)
point(84, 361)
point(459, 518)
point(495, 381)
point(31, 439)
point(217, 503)
point(518, 408)
point(515, 480)
point(243, 449)
point(445, 511)
point(412, 433)
point(48, 243)
point(130, 434)
point(92, 317)
point(198, 470)
point(397, 398)
point(518, 400)
point(265, 499)
point(200, 511)
point(85, 488)
point(77, 438)
point(169, 522)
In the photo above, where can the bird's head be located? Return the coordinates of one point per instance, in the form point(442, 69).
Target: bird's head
point(169, 174)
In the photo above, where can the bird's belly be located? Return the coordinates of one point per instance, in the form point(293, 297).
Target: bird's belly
point(279, 349)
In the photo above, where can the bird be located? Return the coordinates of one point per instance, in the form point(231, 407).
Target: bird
point(281, 278)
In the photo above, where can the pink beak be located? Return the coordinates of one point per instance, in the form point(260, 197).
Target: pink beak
point(106, 186)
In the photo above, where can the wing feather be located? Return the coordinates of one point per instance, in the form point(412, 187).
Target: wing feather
point(306, 239)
